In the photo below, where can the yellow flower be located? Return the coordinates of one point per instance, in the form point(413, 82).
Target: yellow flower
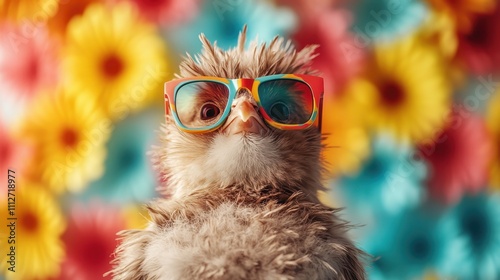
point(38, 229)
point(494, 126)
point(346, 142)
point(30, 12)
point(68, 132)
point(116, 57)
point(405, 90)
point(431, 275)
point(439, 32)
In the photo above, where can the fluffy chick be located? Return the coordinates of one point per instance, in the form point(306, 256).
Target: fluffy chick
point(240, 206)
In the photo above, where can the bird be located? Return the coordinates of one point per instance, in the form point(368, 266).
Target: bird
point(239, 177)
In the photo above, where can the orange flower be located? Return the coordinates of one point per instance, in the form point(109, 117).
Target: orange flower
point(66, 12)
point(347, 143)
point(28, 11)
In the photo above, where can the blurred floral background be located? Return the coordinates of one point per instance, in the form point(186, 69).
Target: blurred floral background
point(412, 113)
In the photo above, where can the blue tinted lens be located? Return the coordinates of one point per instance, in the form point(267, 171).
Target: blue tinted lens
point(287, 101)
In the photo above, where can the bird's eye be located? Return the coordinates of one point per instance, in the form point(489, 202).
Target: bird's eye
point(209, 111)
point(280, 112)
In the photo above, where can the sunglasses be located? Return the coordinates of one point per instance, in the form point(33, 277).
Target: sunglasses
point(285, 101)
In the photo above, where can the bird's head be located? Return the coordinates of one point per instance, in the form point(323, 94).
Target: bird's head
point(234, 119)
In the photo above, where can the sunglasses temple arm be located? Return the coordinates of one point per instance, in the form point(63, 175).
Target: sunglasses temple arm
point(320, 112)
point(167, 107)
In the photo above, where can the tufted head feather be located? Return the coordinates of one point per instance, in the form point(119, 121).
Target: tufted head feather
point(288, 160)
point(277, 57)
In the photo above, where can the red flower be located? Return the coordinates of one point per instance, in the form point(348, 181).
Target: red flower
point(479, 48)
point(90, 241)
point(167, 11)
point(28, 61)
point(458, 157)
point(307, 9)
point(340, 53)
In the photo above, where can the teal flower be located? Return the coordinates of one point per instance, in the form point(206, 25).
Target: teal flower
point(477, 221)
point(128, 174)
point(387, 19)
point(222, 20)
point(412, 243)
point(388, 182)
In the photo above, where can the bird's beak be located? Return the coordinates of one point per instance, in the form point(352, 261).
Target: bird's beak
point(244, 118)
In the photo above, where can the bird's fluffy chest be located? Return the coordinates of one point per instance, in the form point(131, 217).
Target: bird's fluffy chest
point(234, 239)
point(229, 242)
